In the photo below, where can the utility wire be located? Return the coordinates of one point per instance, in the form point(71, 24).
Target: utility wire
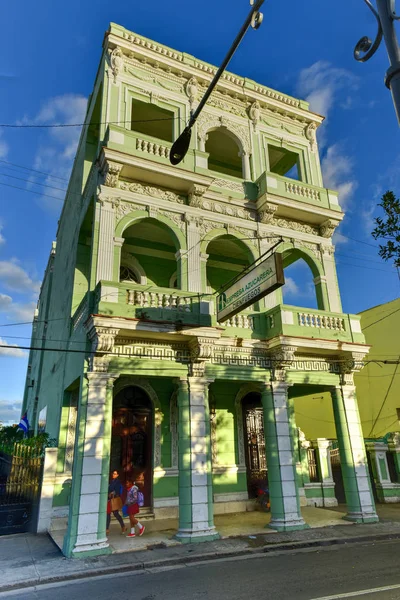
point(381, 319)
point(385, 398)
point(34, 170)
point(62, 125)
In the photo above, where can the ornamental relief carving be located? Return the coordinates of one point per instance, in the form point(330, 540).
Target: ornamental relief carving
point(209, 121)
point(111, 173)
point(327, 229)
point(153, 191)
point(125, 208)
point(116, 61)
point(152, 78)
point(229, 210)
point(296, 226)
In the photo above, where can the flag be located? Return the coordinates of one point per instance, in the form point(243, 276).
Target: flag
point(24, 423)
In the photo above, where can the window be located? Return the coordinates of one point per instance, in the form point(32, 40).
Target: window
point(223, 154)
point(153, 120)
point(127, 274)
point(284, 162)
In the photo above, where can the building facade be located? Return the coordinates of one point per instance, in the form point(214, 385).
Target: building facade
point(141, 376)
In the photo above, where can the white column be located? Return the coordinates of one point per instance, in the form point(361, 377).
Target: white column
point(105, 256)
point(193, 257)
point(332, 288)
point(47, 491)
point(196, 517)
point(246, 166)
point(92, 500)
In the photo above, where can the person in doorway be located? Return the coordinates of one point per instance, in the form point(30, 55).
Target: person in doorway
point(132, 502)
point(115, 504)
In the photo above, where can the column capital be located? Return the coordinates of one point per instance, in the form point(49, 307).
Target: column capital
point(321, 443)
point(99, 379)
point(119, 241)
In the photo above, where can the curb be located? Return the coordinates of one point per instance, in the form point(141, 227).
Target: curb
point(202, 558)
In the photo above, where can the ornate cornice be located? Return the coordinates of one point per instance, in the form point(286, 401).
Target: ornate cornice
point(111, 172)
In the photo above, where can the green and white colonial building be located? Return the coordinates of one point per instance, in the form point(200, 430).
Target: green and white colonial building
point(146, 380)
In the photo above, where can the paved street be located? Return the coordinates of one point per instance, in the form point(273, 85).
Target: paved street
point(335, 572)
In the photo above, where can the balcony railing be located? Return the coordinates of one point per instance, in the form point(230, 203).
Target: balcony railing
point(277, 185)
point(295, 321)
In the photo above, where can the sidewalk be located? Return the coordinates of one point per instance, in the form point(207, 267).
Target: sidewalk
point(29, 559)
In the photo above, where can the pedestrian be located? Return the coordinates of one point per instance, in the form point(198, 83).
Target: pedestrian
point(115, 504)
point(132, 502)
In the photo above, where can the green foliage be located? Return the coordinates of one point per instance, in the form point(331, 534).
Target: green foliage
point(11, 435)
point(388, 228)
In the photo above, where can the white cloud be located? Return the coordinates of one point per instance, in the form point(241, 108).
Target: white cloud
point(11, 350)
point(2, 239)
point(3, 146)
point(291, 287)
point(321, 83)
point(56, 153)
point(15, 278)
point(10, 411)
point(337, 169)
point(5, 302)
point(338, 238)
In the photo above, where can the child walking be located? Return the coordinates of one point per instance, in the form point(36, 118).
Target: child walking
point(132, 502)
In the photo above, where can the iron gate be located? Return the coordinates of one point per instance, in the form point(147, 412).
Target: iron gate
point(20, 478)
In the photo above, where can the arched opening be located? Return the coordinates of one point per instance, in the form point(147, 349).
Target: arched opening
point(303, 285)
point(83, 260)
point(254, 443)
point(299, 288)
point(227, 257)
point(148, 255)
point(224, 153)
point(132, 438)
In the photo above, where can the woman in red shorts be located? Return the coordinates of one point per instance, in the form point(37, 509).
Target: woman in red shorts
point(133, 507)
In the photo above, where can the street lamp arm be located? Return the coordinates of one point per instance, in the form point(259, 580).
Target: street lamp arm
point(365, 48)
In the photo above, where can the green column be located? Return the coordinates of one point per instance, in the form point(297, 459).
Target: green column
point(196, 522)
point(321, 291)
point(357, 485)
point(284, 494)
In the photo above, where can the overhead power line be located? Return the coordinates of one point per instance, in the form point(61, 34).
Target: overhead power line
point(61, 125)
point(34, 170)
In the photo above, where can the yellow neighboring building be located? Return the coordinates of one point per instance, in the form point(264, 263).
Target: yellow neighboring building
point(378, 393)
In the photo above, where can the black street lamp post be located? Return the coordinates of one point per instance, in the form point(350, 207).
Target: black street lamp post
point(385, 15)
point(181, 146)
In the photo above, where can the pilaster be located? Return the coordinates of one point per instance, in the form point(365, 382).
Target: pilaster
point(105, 259)
point(323, 458)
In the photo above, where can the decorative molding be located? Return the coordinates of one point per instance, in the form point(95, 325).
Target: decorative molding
point(327, 229)
point(235, 186)
point(111, 173)
point(255, 114)
point(266, 215)
point(196, 194)
point(295, 225)
point(177, 218)
point(125, 208)
point(311, 134)
point(192, 90)
point(151, 190)
point(230, 210)
point(117, 62)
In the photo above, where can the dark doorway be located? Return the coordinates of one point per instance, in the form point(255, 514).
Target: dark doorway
point(131, 441)
point(372, 477)
point(254, 441)
point(337, 476)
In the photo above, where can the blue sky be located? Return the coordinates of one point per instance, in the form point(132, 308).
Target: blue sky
point(303, 48)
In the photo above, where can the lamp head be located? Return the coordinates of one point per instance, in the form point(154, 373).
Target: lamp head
point(180, 146)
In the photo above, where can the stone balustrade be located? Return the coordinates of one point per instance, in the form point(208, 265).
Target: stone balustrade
point(160, 300)
point(152, 148)
point(320, 321)
point(302, 190)
point(240, 321)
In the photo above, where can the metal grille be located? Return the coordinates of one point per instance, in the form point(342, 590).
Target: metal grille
point(255, 440)
point(394, 476)
point(312, 465)
point(20, 477)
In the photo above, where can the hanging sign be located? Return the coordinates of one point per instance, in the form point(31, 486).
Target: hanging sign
point(257, 283)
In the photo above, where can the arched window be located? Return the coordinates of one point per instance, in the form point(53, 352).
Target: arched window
point(224, 153)
point(128, 274)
